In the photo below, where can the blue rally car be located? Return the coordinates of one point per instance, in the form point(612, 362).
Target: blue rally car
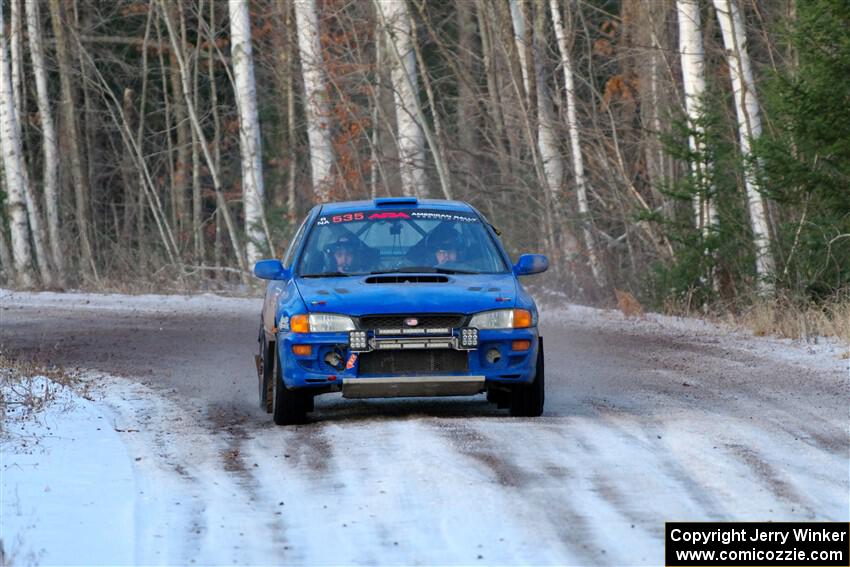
point(398, 297)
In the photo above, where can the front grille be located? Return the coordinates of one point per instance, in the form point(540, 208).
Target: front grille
point(424, 321)
point(413, 362)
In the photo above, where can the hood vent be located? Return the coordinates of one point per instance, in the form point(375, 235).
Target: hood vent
point(406, 278)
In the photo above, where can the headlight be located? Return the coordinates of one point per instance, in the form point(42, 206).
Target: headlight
point(502, 319)
point(326, 323)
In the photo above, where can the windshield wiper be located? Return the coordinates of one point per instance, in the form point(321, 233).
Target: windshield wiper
point(453, 271)
point(421, 270)
point(327, 275)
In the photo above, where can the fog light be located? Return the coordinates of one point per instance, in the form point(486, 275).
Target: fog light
point(357, 340)
point(493, 356)
point(520, 345)
point(302, 350)
point(469, 338)
point(333, 359)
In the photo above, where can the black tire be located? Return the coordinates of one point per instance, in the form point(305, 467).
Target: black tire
point(290, 406)
point(527, 399)
point(265, 371)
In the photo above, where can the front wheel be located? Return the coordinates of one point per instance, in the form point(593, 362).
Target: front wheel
point(527, 399)
point(289, 406)
point(265, 373)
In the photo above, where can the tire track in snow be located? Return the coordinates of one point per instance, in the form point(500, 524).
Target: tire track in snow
point(472, 442)
point(518, 455)
point(197, 505)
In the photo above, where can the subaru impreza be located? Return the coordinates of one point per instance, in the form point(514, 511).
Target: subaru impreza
point(398, 297)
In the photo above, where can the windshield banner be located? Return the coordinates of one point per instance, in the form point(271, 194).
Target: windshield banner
point(417, 214)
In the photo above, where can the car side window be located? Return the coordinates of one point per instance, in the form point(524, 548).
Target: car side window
point(293, 246)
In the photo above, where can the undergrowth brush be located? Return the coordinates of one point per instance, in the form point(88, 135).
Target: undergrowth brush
point(782, 316)
point(26, 388)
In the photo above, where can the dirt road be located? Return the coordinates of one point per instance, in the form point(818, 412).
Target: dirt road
point(645, 422)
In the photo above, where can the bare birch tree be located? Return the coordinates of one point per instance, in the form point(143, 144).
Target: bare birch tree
point(692, 59)
point(548, 141)
point(249, 128)
point(50, 145)
point(536, 110)
point(521, 42)
point(575, 144)
point(411, 140)
point(14, 169)
point(17, 60)
point(316, 103)
point(36, 222)
point(749, 129)
point(411, 124)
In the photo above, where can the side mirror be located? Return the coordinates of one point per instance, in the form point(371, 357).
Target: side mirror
point(270, 270)
point(531, 264)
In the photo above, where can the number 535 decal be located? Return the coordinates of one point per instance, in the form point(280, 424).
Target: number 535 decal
point(348, 217)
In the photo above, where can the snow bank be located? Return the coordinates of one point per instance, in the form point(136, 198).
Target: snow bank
point(149, 303)
point(67, 485)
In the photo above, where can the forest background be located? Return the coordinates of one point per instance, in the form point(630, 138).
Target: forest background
point(688, 155)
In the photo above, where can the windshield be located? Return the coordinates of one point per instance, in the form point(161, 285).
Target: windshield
point(411, 240)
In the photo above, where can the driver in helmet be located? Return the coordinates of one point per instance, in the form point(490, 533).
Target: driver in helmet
point(342, 254)
point(444, 245)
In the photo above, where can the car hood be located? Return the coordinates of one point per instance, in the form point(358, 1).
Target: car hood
point(356, 296)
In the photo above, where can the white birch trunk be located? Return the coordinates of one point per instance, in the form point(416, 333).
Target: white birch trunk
point(519, 28)
point(692, 59)
point(15, 52)
point(575, 145)
point(375, 112)
point(249, 130)
point(521, 41)
point(316, 103)
point(749, 129)
point(50, 145)
point(39, 238)
point(410, 138)
point(13, 167)
point(548, 140)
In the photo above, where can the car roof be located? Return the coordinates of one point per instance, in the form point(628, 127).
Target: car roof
point(395, 203)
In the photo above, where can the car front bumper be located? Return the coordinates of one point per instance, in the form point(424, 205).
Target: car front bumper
point(493, 362)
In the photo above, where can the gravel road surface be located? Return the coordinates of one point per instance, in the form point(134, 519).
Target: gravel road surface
point(645, 421)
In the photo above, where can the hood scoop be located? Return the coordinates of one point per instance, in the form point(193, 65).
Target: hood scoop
point(406, 278)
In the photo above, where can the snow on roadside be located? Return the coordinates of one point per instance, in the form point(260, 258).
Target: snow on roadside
point(67, 483)
point(191, 505)
point(149, 303)
point(127, 479)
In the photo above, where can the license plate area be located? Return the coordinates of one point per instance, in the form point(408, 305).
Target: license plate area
point(386, 362)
